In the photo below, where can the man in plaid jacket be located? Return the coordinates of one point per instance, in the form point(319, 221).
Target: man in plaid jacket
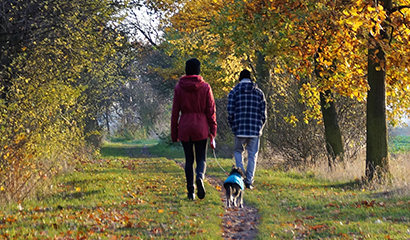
point(247, 117)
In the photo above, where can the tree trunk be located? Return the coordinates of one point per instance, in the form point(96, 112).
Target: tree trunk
point(376, 126)
point(107, 120)
point(262, 74)
point(376, 142)
point(333, 136)
point(92, 132)
point(262, 71)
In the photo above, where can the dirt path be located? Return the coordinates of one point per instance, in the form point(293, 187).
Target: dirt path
point(238, 223)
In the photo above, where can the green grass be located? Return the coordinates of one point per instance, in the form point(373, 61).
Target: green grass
point(399, 144)
point(293, 205)
point(126, 148)
point(173, 151)
point(117, 198)
point(145, 198)
point(300, 206)
point(134, 148)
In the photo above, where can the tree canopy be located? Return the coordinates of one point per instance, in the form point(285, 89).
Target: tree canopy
point(66, 66)
point(348, 44)
point(59, 63)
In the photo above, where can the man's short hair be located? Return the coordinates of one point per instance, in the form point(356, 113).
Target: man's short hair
point(244, 74)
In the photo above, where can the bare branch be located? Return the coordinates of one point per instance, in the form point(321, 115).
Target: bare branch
point(147, 37)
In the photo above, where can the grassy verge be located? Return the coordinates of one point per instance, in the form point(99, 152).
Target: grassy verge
point(300, 206)
point(145, 198)
point(306, 207)
point(135, 148)
point(117, 198)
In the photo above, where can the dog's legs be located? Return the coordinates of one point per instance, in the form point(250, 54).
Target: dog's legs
point(240, 199)
point(236, 195)
point(228, 196)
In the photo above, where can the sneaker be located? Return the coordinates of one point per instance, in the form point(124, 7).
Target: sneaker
point(191, 196)
point(249, 185)
point(201, 189)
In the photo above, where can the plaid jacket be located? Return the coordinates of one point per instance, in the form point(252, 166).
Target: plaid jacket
point(246, 109)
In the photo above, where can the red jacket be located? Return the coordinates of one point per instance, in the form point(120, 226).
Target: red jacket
point(193, 110)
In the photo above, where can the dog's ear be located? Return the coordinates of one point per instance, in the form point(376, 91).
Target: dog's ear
point(232, 170)
point(241, 172)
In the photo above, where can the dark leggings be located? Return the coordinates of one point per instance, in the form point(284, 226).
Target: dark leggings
point(200, 148)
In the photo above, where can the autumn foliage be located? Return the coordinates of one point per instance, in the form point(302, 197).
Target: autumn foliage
point(63, 63)
point(351, 49)
point(57, 61)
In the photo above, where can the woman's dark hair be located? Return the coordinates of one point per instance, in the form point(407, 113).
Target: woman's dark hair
point(193, 67)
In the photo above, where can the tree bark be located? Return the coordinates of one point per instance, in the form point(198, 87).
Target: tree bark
point(262, 74)
point(333, 136)
point(376, 142)
point(377, 162)
point(262, 71)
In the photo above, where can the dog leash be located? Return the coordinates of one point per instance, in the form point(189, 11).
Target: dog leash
point(219, 164)
point(213, 146)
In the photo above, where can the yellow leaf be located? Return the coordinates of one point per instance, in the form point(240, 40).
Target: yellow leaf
point(78, 189)
point(2, 189)
point(371, 9)
point(160, 210)
point(356, 25)
point(346, 13)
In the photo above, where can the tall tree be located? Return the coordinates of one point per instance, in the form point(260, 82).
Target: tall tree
point(257, 27)
point(333, 135)
point(383, 27)
point(357, 36)
point(52, 54)
point(377, 148)
point(368, 41)
point(187, 33)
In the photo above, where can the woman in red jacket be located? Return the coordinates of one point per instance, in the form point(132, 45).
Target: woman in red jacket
point(193, 121)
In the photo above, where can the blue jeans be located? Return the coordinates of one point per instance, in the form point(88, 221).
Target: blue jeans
point(252, 146)
point(199, 147)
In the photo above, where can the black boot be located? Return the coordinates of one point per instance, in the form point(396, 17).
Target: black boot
point(201, 188)
point(191, 196)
